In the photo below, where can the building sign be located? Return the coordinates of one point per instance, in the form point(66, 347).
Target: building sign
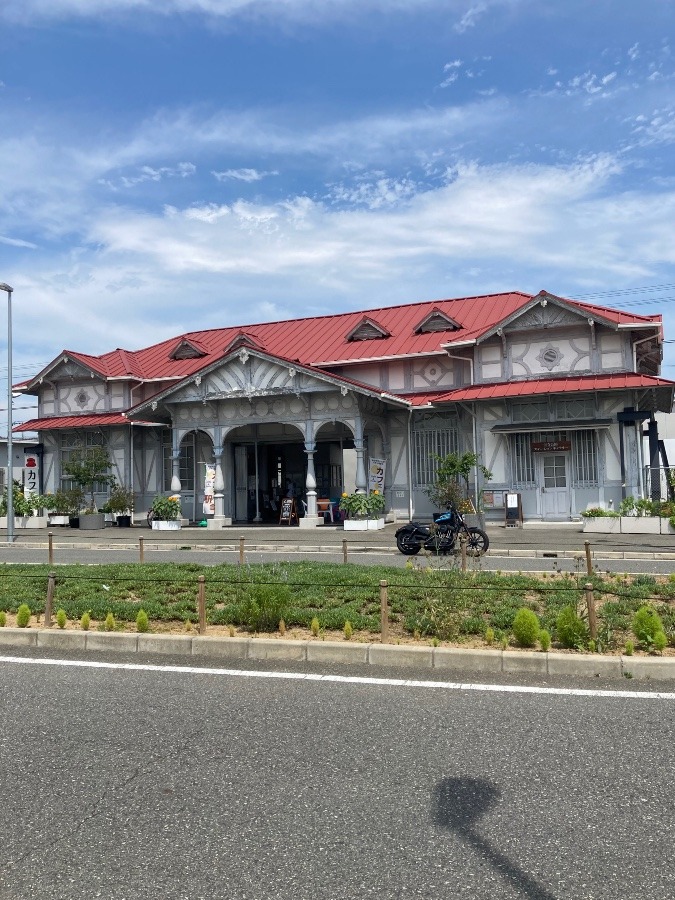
point(209, 506)
point(31, 473)
point(493, 499)
point(551, 446)
point(376, 468)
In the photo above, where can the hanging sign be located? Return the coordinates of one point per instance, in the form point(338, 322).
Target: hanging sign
point(31, 473)
point(376, 469)
point(209, 505)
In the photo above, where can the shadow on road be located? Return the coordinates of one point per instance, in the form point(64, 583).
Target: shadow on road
point(458, 804)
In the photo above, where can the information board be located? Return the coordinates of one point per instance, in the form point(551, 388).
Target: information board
point(513, 512)
point(288, 512)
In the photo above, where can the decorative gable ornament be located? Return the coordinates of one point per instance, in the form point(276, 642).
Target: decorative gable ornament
point(437, 320)
point(242, 339)
point(186, 349)
point(368, 330)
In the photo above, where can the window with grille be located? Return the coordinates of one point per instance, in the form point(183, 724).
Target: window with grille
point(427, 445)
point(522, 461)
point(534, 411)
point(71, 441)
point(585, 459)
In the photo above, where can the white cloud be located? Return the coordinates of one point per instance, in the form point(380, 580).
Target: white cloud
point(17, 242)
point(470, 17)
point(248, 175)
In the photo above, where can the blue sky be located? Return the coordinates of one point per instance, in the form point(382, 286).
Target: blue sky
point(168, 165)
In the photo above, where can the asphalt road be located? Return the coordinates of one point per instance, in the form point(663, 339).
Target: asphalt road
point(489, 563)
point(181, 784)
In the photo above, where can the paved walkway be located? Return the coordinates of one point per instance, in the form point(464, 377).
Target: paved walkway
point(541, 540)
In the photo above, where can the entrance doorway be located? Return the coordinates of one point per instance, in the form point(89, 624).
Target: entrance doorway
point(554, 481)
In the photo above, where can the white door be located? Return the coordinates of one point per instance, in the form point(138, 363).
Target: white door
point(555, 490)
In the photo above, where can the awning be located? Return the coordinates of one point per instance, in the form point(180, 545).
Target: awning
point(576, 425)
point(102, 420)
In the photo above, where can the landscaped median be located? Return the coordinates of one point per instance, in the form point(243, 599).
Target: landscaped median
point(427, 617)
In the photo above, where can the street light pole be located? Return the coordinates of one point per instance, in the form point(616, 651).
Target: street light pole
point(10, 448)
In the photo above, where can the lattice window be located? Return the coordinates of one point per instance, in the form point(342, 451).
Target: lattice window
point(70, 441)
point(427, 445)
point(578, 408)
point(534, 411)
point(186, 462)
point(585, 459)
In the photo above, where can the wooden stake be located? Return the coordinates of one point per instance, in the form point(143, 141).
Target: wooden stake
point(384, 612)
point(589, 563)
point(241, 550)
point(51, 587)
point(462, 547)
point(141, 550)
point(201, 604)
point(344, 550)
point(50, 535)
point(592, 618)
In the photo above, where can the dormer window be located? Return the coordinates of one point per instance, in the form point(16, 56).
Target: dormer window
point(242, 339)
point(186, 349)
point(436, 320)
point(368, 330)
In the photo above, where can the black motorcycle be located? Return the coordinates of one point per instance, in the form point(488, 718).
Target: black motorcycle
point(442, 536)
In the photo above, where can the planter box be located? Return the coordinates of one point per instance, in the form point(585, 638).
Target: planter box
point(158, 525)
point(640, 525)
point(59, 520)
point(92, 521)
point(603, 524)
point(123, 521)
point(666, 527)
point(25, 522)
point(363, 524)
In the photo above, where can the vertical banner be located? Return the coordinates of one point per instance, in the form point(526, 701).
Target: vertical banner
point(209, 484)
point(31, 473)
point(376, 469)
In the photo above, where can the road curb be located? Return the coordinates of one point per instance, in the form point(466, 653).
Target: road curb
point(485, 662)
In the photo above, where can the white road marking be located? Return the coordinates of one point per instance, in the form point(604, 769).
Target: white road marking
point(341, 679)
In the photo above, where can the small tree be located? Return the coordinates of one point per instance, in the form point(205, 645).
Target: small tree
point(452, 478)
point(87, 466)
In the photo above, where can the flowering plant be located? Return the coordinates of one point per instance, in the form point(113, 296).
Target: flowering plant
point(166, 509)
point(362, 506)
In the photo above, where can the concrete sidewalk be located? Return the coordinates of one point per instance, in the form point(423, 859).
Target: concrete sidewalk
point(533, 541)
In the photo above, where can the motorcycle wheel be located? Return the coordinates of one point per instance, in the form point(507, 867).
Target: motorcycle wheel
point(478, 542)
point(407, 544)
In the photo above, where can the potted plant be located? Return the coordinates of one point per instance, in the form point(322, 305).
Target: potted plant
point(363, 511)
point(120, 504)
point(165, 513)
point(86, 467)
point(25, 508)
point(597, 519)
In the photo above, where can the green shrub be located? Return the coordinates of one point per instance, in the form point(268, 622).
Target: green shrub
point(660, 641)
point(85, 621)
point(109, 624)
point(646, 625)
point(315, 626)
point(265, 606)
point(142, 623)
point(349, 631)
point(3, 618)
point(629, 649)
point(526, 627)
point(544, 640)
point(489, 636)
point(23, 616)
point(61, 618)
point(571, 629)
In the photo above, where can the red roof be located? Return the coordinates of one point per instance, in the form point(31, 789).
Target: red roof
point(611, 381)
point(72, 422)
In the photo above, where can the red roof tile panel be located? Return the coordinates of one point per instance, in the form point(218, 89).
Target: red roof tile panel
point(83, 421)
point(530, 388)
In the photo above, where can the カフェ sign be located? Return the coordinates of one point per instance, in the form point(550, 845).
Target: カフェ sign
point(550, 446)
